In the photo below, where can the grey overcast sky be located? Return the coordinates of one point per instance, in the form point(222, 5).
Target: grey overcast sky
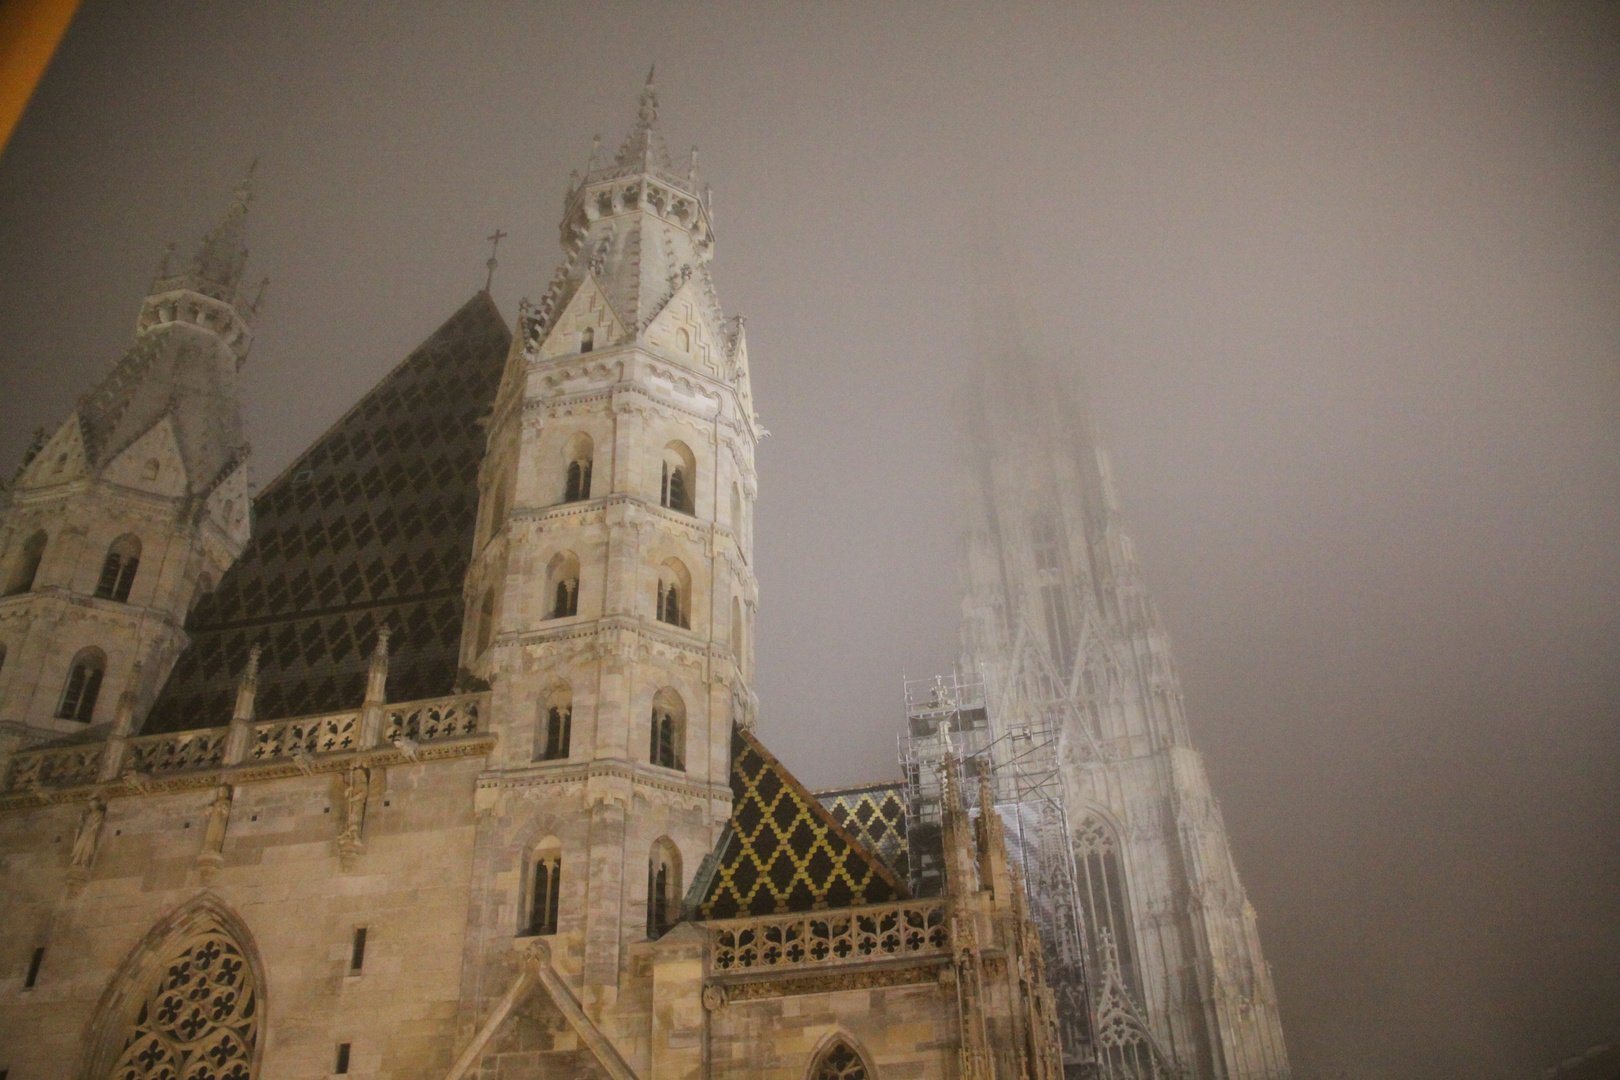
point(1343, 280)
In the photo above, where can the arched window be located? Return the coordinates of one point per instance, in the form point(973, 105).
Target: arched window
point(587, 339)
point(674, 594)
point(151, 470)
point(667, 745)
point(663, 887)
point(83, 686)
point(678, 488)
point(27, 564)
point(562, 585)
point(118, 568)
point(197, 1013)
point(2, 658)
point(1103, 895)
point(683, 340)
point(736, 630)
point(736, 510)
point(546, 888)
point(497, 514)
point(486, 621)
point(556, 723)
point(577, 486)
point(840, 1061)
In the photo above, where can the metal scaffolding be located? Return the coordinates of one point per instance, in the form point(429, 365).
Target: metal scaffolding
point(950, 714)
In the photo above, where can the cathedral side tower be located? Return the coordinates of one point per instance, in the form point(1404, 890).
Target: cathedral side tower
point(133, 508)
point(611, 592)
point(1056, 616)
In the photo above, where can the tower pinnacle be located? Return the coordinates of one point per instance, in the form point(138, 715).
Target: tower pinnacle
point(222, 255)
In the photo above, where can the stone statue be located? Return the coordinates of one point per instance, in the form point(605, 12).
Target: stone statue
point(356, 786)
point(212, 856)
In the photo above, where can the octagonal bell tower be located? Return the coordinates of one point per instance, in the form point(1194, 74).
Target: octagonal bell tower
point(611, 593)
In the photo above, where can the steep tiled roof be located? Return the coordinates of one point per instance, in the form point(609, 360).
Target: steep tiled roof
point(783, 851)
point(876, 815)
point(373, 525)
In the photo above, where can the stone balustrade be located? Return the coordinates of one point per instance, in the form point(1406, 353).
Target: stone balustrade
point(824, 938)
point(310, 741)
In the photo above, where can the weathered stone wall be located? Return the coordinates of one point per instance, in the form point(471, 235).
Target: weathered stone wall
point(282, 877)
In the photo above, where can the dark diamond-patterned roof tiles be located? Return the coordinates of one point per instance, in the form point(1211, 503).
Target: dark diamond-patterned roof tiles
point(372, 526)
point(876, 815)
point(785, 851)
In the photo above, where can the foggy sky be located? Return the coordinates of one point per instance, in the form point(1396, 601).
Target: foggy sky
point(1344, 284)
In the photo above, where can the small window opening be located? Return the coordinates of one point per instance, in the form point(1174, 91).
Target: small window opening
point(657, 898)
point(357, 954)
point(33, 968)
point(27, 565)
point(587, 339)
point(557, 715)
point(667, 738)
point(547, 887)
point(83, 686)
point(342, 1059)
point(150, 472)
point(118, 569)
point(486, 621)
point(676, 489)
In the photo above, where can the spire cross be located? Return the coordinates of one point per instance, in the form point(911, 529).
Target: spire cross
point(494, 239)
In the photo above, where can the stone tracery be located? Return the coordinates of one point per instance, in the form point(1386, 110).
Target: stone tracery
point(200, 1018)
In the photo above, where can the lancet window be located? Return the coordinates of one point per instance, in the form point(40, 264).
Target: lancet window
point(26, 567)
point(83, 686)
point(558, 720)
point(199, 1019)
point(1103, 895)
point(486, 620)
point(587, 339)
point(577, 479)
point(667, 739)
point(562, 577)
point(118, 569)
point(547, 889)
point(840, 1062)
point(676, 489)
point(663, 888)
point(674, 594)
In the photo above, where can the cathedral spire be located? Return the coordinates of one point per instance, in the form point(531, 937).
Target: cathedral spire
point(222, 255)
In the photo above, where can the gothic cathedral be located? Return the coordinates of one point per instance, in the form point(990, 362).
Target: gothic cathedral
point(435, 758)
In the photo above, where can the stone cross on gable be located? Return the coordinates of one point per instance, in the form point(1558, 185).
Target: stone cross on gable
point(494, 239)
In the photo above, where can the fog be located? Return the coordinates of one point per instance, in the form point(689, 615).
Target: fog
point(1343, 283)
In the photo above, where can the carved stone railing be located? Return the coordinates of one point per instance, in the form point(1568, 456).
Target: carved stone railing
point(402, 728)
point(821, 938)
point(329, 734)
point(437, 719)
point(180, 751)
point(61, 766)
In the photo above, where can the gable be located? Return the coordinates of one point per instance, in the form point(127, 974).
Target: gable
point(61, 459)
point(682, 332)
point(783, 851)
point(588, 309)
point(152, 462)
point(371, 526)
point(228, 505)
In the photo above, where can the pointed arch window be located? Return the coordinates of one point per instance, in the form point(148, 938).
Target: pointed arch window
point(673, 602)
point(663, 887)
point(677, 488)
point(199, 1017)
point(577, 482)
point(587, 339)
point(545, 893)
point(840, 1061)
point(83, 686)
point(118, 568)
point(1103, 897)
point(557, 714)
point(667, 738)
point(562, 584)
point(26, 566)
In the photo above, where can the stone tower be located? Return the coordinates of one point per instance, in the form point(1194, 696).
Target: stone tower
point(131, 511)
point(610, 593)
point(1057, 618)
